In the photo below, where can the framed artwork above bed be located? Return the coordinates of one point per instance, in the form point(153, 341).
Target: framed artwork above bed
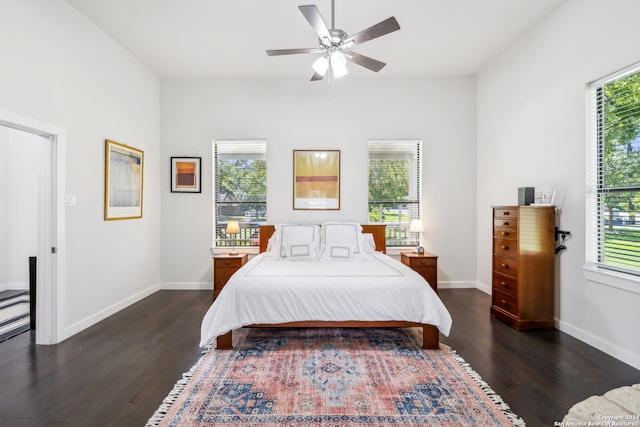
point(316, 179)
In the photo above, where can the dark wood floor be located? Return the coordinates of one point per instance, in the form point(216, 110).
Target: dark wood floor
point(117, 372)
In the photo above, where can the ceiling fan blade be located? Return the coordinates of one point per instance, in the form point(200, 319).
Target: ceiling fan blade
point(316, 77)
point(276, 52)
point(365, 61)
point(312, 14)
point(387, 26)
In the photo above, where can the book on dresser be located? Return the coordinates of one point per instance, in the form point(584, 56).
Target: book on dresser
point(522, 293)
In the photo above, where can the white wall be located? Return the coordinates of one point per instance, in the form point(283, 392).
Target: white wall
point(298, 114)
point(20, 153)
point(59, 68)
point(531, 109)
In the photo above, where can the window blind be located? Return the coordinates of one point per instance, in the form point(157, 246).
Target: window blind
point(395, 187)
point(613, 171)
point(239, 189)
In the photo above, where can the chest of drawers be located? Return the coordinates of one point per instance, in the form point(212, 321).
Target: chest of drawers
point(522, 293)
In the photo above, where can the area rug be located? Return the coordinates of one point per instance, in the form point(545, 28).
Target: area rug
point(332, 377)
point(617, 407)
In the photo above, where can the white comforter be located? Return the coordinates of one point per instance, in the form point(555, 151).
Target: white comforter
point(270, 290)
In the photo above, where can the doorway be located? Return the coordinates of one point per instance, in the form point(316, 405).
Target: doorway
point(37, 148)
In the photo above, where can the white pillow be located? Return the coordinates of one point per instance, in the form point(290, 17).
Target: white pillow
point(368, 243)
point(291, 234)
point(337, 253)
point(273, 244)
point(342, 234)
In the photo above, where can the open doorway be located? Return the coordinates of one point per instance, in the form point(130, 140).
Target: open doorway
point(31, 179)
point(21, 153)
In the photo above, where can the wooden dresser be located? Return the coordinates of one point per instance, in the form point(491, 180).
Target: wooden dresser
point(523, 266)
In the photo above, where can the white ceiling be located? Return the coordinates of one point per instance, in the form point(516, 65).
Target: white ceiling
point(228, 39)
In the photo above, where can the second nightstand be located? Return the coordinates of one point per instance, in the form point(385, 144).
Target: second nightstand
point(424, 264)
point(223, 268)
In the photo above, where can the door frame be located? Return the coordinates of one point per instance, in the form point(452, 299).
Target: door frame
point(51, 227)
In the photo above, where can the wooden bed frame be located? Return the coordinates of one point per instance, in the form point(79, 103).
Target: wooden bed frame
point(431, 335)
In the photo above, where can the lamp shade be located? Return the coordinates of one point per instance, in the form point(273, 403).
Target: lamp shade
point(339, 64)
point(321, 65)
point(233, 227)
point(416, 226)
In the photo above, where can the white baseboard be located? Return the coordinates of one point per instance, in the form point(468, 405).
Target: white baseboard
point(456, 285)
point(484, 288)
point(465, 284)
point(109, 311)
point(612, 350)
point(181, 286)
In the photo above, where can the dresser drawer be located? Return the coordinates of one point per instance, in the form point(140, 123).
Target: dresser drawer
point(506, 213)
point(416, 261)
point(504, 247)
point(506, 233)
point(505, 265)
point(506, 284)
point(231, 262)
point(505, 223)
point(505, 302)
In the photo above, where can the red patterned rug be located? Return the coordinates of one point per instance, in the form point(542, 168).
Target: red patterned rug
point(332, 377)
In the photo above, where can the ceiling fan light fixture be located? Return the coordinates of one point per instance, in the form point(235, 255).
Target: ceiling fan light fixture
point(321, 65)
point(335, 44)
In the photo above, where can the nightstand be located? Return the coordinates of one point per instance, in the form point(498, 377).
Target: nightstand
point(424, 264)
point(223, 268)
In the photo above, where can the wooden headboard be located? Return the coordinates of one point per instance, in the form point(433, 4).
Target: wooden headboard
point(378, 231)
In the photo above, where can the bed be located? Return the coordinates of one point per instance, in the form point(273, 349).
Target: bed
point(366, 289)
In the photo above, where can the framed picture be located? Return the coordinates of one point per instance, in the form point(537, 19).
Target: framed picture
point(123, 179)
point(185, 174)
point(316, 179)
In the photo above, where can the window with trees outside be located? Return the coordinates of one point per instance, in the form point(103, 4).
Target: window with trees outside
point(239, 190)
point(395, 187)
point(613, 172)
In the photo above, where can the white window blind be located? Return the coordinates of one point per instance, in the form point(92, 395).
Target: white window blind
point(395, 187)
point(239, 189)
point(613, 172)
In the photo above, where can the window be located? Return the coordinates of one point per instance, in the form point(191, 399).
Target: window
point(239, 190)
point(394, 187)
point(613, 172)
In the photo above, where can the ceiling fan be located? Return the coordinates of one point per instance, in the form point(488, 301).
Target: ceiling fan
point(335, 45)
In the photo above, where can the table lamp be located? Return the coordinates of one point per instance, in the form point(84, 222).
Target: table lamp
point(416, 227)
point(233, 228)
